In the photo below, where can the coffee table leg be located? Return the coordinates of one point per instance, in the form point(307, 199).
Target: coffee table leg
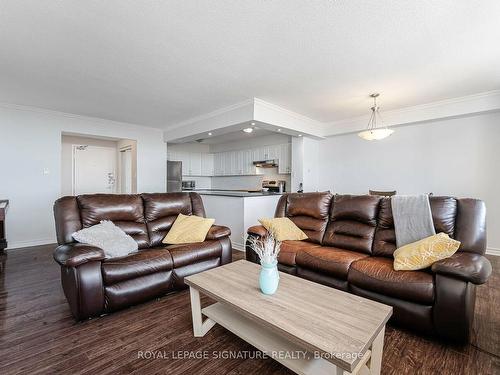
point(376, 356)
point(200, 327)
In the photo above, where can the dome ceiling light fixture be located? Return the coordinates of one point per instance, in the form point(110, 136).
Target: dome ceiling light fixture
point(372, 132)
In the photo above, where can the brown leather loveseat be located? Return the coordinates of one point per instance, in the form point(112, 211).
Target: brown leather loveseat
point(351, 244)
point(94, 285)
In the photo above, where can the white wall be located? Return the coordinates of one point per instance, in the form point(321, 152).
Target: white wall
point(31, 143)
point(458, 157)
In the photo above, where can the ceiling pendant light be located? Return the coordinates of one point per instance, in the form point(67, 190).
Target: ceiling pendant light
point(372, 133)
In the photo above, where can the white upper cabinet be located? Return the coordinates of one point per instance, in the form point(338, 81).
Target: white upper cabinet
point(207, 164)
point(248, 167)
point(195, 163)
point(184, 158)
point(232, 163)
point(228, 164)
point(285, 158)
point(219, 164)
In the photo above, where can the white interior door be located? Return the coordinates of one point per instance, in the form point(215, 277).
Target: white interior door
point(126, 171)
point(94, 169)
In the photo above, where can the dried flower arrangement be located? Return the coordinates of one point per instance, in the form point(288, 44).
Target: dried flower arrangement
point(267, 247)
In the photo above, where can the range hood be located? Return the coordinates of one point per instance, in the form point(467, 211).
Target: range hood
point(271, 163)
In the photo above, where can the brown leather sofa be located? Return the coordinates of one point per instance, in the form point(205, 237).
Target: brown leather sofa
point(94, 285)
point(351, 244)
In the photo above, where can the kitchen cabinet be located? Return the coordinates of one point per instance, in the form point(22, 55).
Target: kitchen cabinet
point(285, 158)
point(227, 171)
point(232, 163)
point(247, 160)
point(207, 165)
point(194, 164)
point(184, 158)
point(219, 164)
point(268, 152)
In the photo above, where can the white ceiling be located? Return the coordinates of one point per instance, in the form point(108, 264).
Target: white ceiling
point(157, 63)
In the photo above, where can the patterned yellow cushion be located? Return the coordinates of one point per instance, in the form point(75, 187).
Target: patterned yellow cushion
point(188, 229)
point(421, 254)
point(283, 229)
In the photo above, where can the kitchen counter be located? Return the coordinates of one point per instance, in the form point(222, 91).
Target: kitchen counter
point(238, 210)
point(237, 194)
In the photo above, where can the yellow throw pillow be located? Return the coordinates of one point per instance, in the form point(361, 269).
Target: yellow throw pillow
point(283, 229)
point(187, 229)
point(421, 254)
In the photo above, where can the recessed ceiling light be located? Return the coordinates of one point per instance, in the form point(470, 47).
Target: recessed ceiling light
point(210, 133)
point(300, 135)
point(279, 130)
point(248, 130)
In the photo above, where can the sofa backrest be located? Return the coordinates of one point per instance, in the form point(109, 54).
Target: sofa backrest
point(161, 210)
point(365, 224)
point(463, 219)
point(353, 219)
point(125, 211)
point(146, 217)
point(309, 211)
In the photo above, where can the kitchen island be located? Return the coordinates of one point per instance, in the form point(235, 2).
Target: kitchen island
point(238, 210)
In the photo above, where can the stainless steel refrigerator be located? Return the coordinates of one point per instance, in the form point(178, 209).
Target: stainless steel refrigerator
point(174, 176)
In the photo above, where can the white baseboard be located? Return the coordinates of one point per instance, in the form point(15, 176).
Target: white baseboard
point(15, 245)
point(493, 251)
point(238, 246)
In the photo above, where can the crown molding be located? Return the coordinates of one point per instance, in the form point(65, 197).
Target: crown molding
point(209, 115)
point(449, 108)
point(280, 117)
point(51, 112)
point(288, 113)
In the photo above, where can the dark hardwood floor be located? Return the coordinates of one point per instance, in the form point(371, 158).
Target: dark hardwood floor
point(38, 334)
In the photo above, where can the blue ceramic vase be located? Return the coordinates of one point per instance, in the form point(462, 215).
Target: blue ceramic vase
point(269, 277)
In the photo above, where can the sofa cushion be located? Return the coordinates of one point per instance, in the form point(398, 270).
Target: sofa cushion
point(161, 210)
point(124, 210)
point(185, 254)
point(144, 262)
point(188, 229)
point(352, 223)
point(384, 242)
point(289, 250)
point(378, 275)
point(308, 211)
point(444, 211)
point(282, 229)
point(328, 260)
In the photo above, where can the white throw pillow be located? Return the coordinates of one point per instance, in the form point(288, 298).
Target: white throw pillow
point(107, 236)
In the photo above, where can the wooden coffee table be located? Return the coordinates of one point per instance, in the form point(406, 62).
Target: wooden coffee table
point(307, 327)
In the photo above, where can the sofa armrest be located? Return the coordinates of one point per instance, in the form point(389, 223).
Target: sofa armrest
point(218, 231)
point(74, 254)
point(257, 230)
point(465, 266)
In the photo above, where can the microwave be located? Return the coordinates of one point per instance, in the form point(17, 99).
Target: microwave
point(188, 185)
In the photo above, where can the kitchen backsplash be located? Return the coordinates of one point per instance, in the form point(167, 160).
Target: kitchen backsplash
point(248, 182)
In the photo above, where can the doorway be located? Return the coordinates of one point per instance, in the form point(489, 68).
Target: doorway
point(126, 170)
point(92, 164)
point(94, 170)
